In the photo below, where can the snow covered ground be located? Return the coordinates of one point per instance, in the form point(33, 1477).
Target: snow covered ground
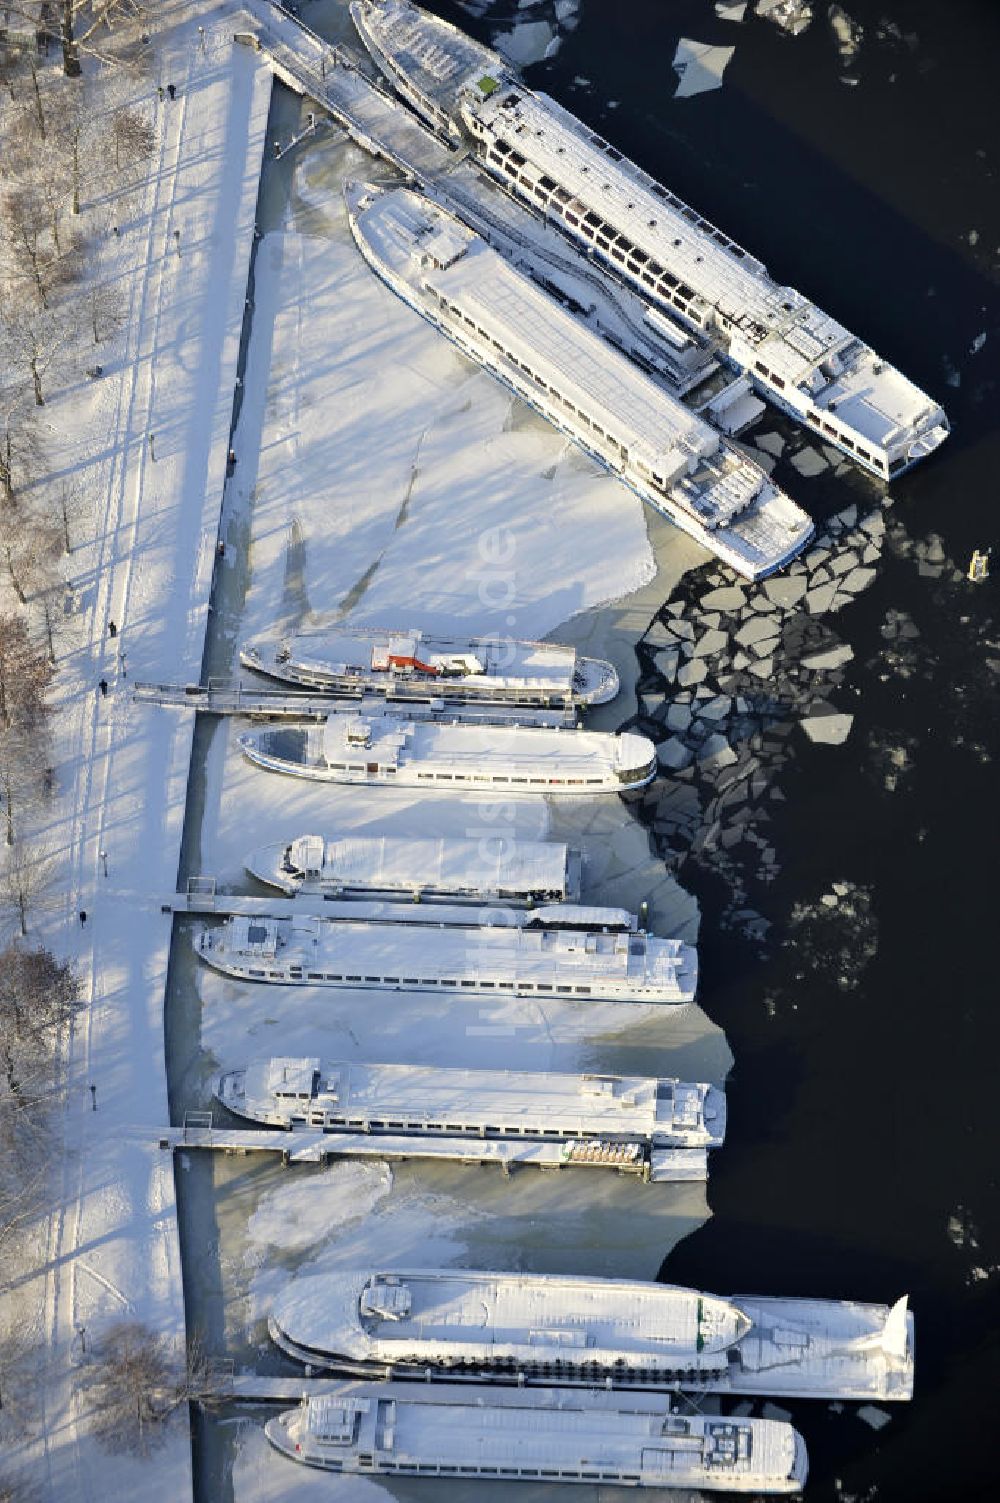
point(148, 445)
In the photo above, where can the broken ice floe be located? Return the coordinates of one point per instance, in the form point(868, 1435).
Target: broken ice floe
point(792, 16)
point(872, 1415)
point(729, 671)
point(836, 936)
point(808, 462)
point(731, 10)
point(699, 66)
point(848, 34)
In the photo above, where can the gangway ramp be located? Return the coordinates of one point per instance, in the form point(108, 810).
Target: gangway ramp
point(334, 76)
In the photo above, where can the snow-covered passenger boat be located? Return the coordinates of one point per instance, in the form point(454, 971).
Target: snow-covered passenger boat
point(574, 965)
point(429, 1100)
point(446, 869)
point(537, 1328)
point(412, 665)
point(625, 420)
point(391, 751)
point(793, 353)
point(546, 1435)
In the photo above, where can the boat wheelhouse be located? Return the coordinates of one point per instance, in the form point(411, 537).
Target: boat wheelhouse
point(547, 1435)
point(448, 869)
point(430, 1100)
point(414, 665)
point(460, 1324)
point(619, 415)
point(392, 751)
point(644, 236)
point(574, 965)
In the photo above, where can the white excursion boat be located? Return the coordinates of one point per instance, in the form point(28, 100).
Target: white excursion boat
point(413, 665)
point(572, 964)
point(459, 1324)
point(545, 1435)
point(429, 1100)
point(792, 353)
point(444, 869)
point(392, 751)
point(663, 451)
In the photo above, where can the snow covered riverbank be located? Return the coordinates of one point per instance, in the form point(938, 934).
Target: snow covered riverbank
point(147, 444)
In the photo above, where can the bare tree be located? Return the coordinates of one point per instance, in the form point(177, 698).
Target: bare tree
point(104, 311)
point(24, 678)
point(37, 341)
point(22, 447)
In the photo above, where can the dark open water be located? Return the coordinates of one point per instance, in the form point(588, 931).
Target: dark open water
point(862, 1152)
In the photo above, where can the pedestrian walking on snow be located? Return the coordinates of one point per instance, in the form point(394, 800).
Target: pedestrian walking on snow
point(160, 91)
point(93, 1096)
point(152, 449)
point(103, 686)
point(83, 915)
point(121, 659)
point(112, 629)
point(171, 91)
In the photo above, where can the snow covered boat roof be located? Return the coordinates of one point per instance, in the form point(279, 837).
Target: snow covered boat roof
point(547, 1434)
point(463, 1313)
point(561, 754)
point(492, 866)
point(630, 1108)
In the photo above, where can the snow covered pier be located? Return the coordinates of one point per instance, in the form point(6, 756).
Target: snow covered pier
point(227, 698)
point(333, 77)
point(660, 1165)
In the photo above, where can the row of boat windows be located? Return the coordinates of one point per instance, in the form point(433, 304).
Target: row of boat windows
point(482, 777)
point(465, 1129)
point(436, 1469)
point(616, 246)
point(467, 777)
point(296, 974)
point(822, 426)
point(841, 438)
point(564, 406)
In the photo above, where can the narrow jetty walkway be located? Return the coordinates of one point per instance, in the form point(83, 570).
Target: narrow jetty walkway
point(215, 698)
point(333, 76)
point(303, 1146)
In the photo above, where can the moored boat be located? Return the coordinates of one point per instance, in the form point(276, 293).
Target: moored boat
point(793, 353)
point(571, 964)
point(618, 414)
point(547, 1435)
point(356, 1096)
point(392, 751)
point(415, 665)
point(469, 1325)
point(448, 869)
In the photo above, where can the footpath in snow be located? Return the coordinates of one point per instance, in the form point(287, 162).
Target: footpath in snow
point(149, 443)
